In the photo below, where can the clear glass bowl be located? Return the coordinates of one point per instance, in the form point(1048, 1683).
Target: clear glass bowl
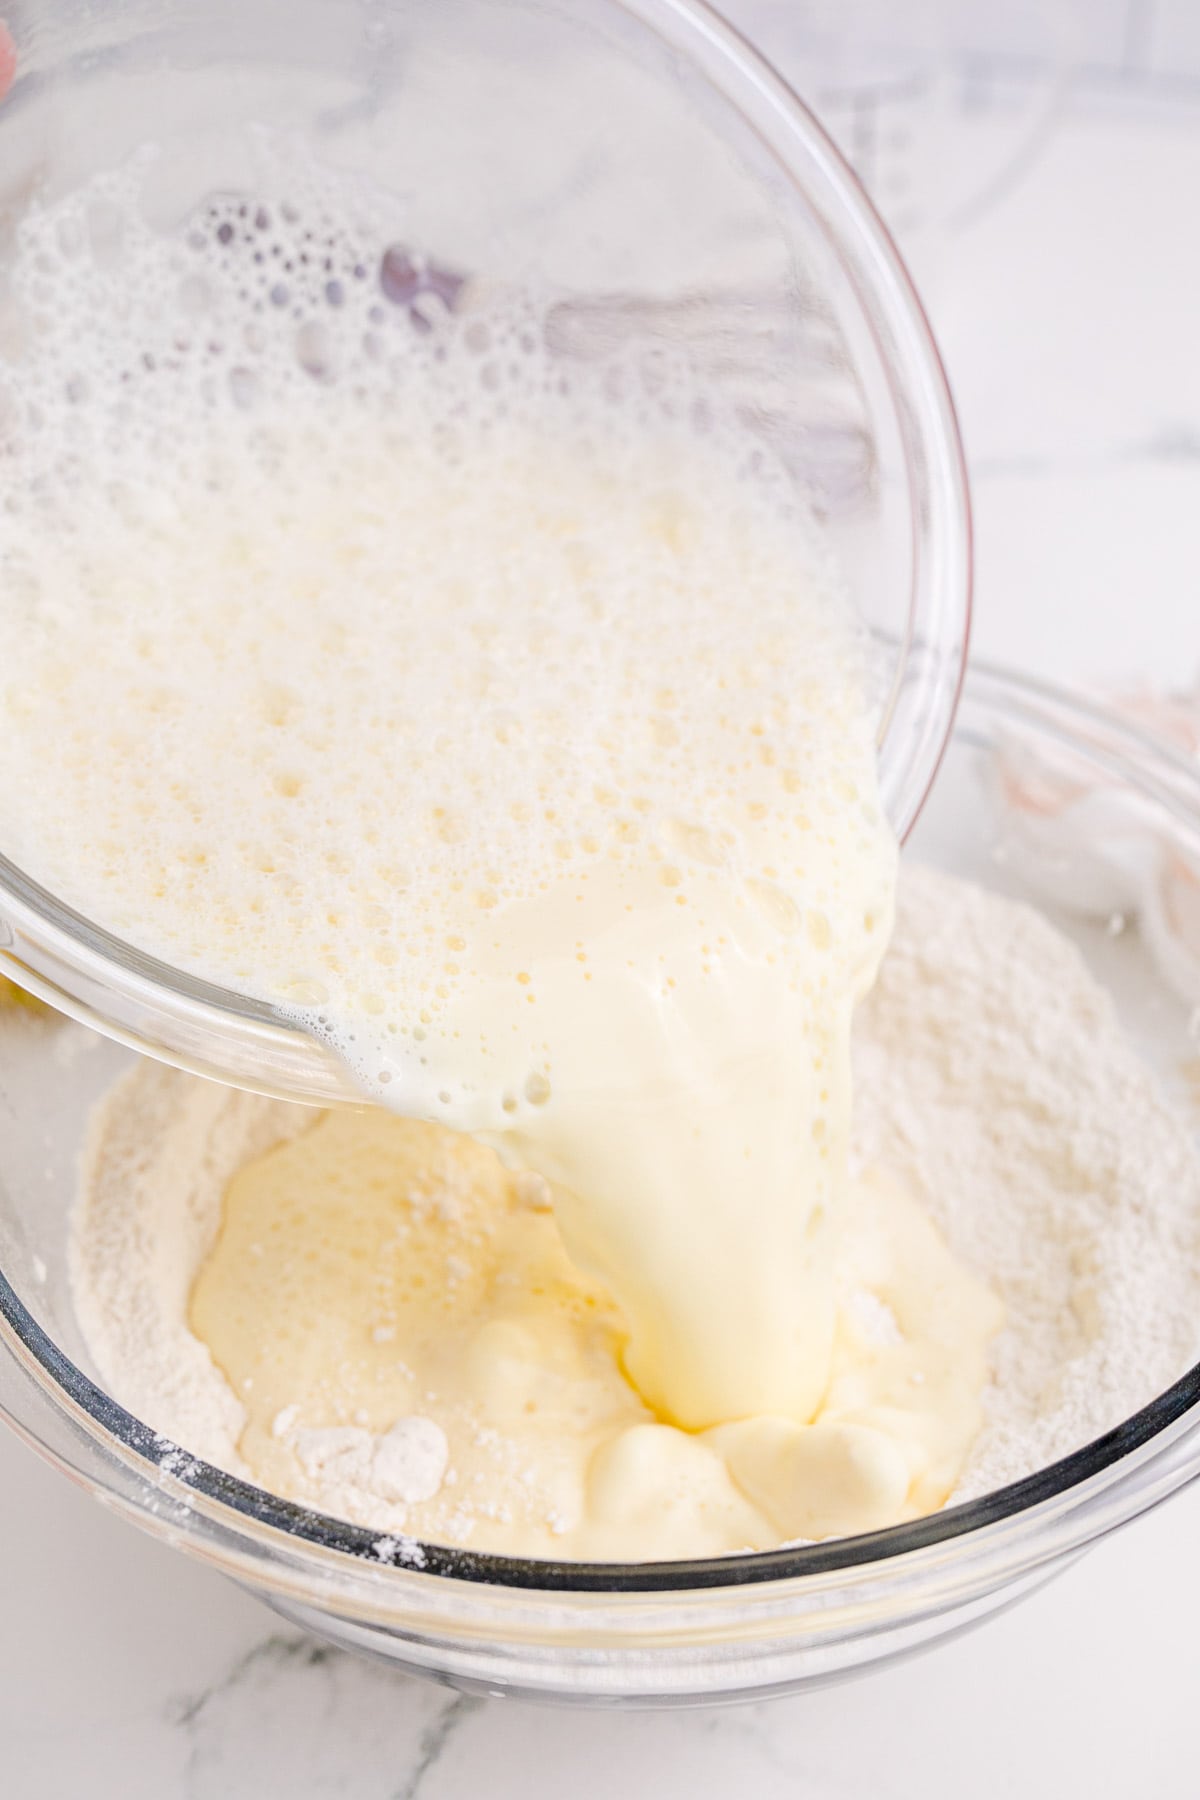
point(637, 157)
point(652, 1633)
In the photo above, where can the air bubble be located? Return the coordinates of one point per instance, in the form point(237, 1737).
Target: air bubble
point(399, 276)
point(243, 387)
point(314, 351)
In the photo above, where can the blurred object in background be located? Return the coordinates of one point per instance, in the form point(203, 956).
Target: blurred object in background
point(1039, 164)
point(937, 103)
point(942, 105)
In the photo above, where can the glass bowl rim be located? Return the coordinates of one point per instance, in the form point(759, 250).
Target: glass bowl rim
point(1164, 772)
point(864, 1552)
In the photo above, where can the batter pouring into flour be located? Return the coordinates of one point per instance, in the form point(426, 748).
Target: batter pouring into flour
point(503, 722)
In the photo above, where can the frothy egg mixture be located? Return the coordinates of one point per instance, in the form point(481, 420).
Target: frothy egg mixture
point(501, 719)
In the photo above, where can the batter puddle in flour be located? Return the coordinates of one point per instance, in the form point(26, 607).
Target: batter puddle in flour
point(400, 1338)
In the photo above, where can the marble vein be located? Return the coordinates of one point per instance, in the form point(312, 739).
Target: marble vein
point(277, 1650)
point(434, 1741)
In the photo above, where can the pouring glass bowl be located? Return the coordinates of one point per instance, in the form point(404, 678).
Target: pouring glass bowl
point(653, 1633)
point(638, 158)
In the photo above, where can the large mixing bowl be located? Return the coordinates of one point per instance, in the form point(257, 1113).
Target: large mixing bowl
point(643, 1633)
point(635, 158)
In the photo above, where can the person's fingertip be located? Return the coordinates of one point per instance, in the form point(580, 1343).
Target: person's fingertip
point(8, 58)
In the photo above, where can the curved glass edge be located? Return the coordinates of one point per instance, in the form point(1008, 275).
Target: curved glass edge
point(918, 715)
point(867, 1553)
point(107, 984)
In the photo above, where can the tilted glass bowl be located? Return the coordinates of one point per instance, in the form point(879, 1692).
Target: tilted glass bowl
point(636, 157)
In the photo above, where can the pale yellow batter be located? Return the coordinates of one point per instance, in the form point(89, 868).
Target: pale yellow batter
point(414, 1350)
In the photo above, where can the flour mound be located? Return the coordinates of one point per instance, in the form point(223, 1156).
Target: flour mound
point(993, 1078)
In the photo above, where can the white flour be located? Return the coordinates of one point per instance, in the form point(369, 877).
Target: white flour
point(991, 1076)
point(162, 1149)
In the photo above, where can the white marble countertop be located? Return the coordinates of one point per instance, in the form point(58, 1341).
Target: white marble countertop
point(1060, 253)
